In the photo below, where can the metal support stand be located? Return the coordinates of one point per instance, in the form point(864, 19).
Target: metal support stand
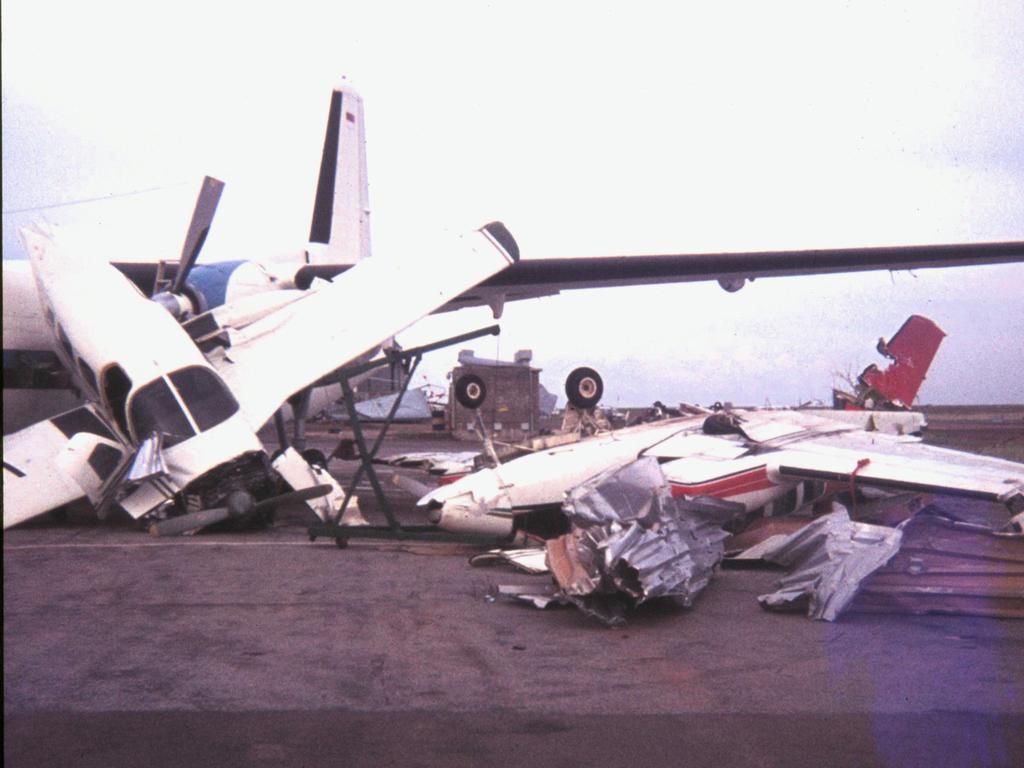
point(409, 359)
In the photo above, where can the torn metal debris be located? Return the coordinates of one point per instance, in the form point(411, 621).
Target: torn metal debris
point(828, 558)
point(631, 541)
point(538, 598)
point(528, 560)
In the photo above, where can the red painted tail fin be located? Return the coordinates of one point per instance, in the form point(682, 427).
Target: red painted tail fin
point(912, 350)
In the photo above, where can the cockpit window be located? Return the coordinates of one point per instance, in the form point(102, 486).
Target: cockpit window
point(208, 399)
point(154, 408)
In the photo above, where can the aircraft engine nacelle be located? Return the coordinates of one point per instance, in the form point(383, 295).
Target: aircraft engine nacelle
point(178, 304)
point(732, 284)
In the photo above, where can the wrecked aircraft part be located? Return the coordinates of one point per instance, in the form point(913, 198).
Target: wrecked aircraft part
point(631, 541)
point(584, 387)
point(829, 559)
point(947, 566)
point(475, 503)
point(542, 599)
point(529, 560)
point(149, 459)
point(470, 391)
point(434, 462)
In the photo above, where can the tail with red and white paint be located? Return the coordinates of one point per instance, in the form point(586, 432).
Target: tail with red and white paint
point(911, 351)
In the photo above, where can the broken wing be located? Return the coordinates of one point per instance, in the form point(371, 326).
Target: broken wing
point(889, 464)
point(57, 461)
point(304, 340)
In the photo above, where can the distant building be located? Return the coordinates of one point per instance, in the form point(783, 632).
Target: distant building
point(515, 399)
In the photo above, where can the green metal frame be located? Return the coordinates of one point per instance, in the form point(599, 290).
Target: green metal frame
point(409, 359)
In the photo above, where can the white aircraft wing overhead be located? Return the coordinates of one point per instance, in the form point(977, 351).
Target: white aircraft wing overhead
point(289, 349)
point(893, 464)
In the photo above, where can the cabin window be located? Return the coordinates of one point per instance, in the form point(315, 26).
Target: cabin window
point(154, 408)
point(27, 369)
point(207, 397)
point(116, 386)
point(104, 459)
point(81, 420)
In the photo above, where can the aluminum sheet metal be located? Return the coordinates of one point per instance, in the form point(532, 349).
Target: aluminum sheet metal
point(630, 542)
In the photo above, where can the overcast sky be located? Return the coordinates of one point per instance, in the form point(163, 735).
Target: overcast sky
point(590, 129)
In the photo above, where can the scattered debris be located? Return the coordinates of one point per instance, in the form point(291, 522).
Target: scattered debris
point(828, 558)
point(543, 597)
point(414, 406)
point(529, 560)
point(434, 462)
point(630, 541)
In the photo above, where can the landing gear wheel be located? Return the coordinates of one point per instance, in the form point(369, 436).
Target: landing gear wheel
point(470, 391)
point(584, 387)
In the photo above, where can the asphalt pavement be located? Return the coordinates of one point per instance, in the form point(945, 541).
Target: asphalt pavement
point(263, 648)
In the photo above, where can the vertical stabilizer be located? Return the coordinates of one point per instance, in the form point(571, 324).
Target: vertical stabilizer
point(911, 351)
point(340, 229)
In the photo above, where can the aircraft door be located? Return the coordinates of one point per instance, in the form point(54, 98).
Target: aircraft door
point(116, 386)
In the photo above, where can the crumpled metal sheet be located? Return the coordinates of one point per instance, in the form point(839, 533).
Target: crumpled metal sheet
point(829, 559)
point(527, 560)
point(631, 541)
point(531, 595)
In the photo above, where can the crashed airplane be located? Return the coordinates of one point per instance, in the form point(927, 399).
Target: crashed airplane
point(180, 364)
point(641, 512)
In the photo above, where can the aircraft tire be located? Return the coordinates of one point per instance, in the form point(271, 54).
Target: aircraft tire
point(584, 387)
point(470, 391)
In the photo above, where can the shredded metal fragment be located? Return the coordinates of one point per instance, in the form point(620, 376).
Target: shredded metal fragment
point(829, 559)
point(631, 541)
point(529, 560)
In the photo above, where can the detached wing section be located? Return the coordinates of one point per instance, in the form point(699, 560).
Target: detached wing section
point(301, 342)
point(57, 461)
point(543, 277)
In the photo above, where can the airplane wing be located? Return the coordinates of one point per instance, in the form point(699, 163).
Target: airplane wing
point(535, 277)
point(547, 276)
point(890, 464)
point(750, 450)
point(57, 461)
point(289, 349)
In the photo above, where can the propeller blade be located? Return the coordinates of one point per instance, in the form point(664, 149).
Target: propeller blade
point(199, 227)
point(176, 526)
point(305, 494)
point(411, 486)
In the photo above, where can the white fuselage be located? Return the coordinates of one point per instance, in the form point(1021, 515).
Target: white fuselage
point(129, 356)
point(780, 462)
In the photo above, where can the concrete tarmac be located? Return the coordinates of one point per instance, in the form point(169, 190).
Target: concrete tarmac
point(263, 648)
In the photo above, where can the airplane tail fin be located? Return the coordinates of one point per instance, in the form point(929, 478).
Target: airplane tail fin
point(340, 229)
point(911, 350)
